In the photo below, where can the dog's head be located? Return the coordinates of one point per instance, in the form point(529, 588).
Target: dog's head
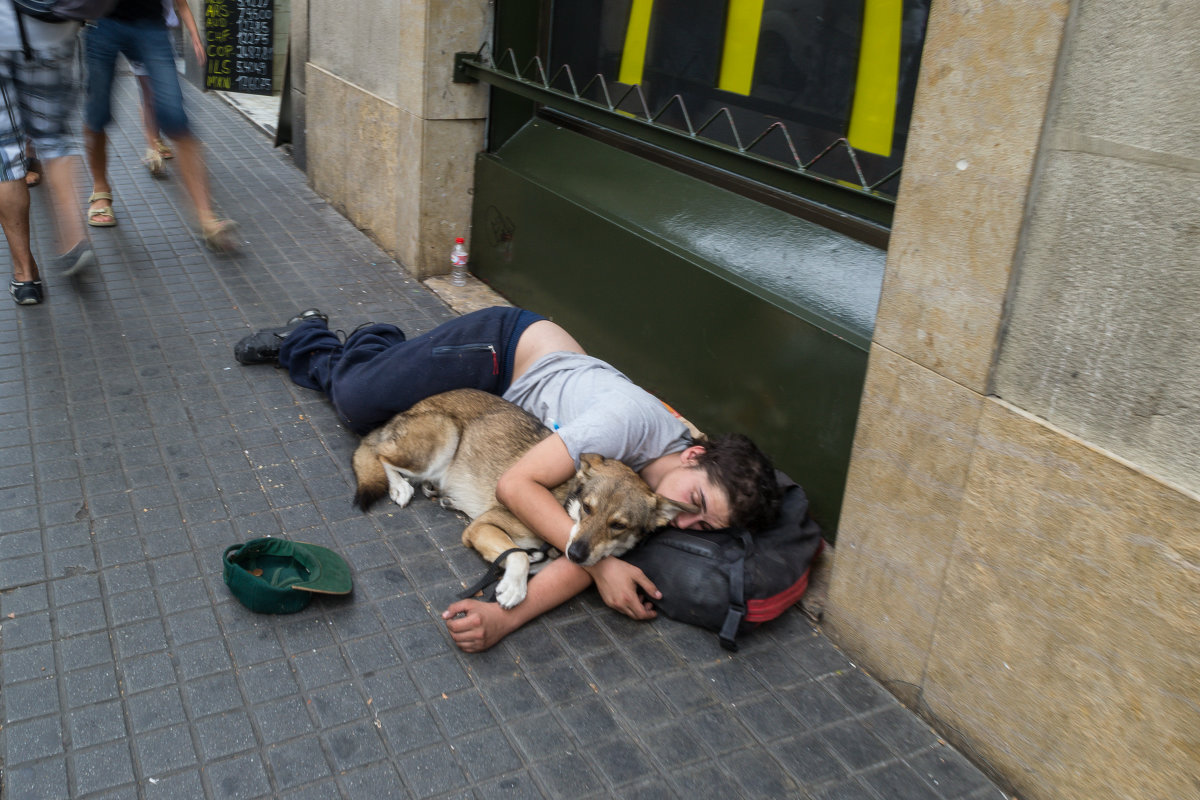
point(613, 510)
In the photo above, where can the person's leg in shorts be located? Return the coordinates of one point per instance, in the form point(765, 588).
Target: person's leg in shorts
point(154, 147)
point(25, 287)
point(152, 48)
point(47, 86)
point(102, 44)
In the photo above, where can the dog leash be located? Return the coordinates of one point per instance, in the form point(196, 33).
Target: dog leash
point(487, 584)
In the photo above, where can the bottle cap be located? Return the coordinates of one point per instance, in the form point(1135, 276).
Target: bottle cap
point(459, 240)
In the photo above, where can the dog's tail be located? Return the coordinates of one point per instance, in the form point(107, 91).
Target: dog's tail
point(371, 478)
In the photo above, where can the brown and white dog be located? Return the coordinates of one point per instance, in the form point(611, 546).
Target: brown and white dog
point(457, 445)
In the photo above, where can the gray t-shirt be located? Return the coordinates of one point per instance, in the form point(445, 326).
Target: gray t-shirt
point(596, 409)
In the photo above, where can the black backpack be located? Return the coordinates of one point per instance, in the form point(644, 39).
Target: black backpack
point(731, 580)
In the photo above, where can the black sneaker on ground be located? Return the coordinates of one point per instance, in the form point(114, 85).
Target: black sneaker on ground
point(263, 347)
point(25, 293)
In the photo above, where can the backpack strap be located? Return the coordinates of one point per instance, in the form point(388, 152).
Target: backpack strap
point(737, 597)
point(25, 48)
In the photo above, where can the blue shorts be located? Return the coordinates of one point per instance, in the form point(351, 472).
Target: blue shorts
point(144, 41)
point(379, 372)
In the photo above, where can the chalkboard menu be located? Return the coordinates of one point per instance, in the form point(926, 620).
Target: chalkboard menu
point(238, 35)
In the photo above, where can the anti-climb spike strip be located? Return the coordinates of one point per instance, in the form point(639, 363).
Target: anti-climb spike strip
point(637, 90)
point(787, 137)
point(677, 99)
point(608, 103)
point(537, 60)
point(534, 72)
point(849, 151)
point(884, 179)
point(820, 155)
point(723, 113)
point(511, 56)
point(566, 68)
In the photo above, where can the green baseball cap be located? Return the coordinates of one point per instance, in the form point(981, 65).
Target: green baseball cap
point(278, 576)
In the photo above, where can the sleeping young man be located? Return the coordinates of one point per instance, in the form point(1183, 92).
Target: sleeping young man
point(592, 408)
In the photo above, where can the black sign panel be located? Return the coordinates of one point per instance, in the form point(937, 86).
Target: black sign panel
point(239, 38)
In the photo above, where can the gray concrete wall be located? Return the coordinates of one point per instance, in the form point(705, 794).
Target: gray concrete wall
point(1103, 339)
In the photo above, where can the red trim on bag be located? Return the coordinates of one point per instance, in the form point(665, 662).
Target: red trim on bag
point(768, 608)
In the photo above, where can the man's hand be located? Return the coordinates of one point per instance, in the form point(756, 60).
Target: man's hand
point(618, 583)
point(476, 626)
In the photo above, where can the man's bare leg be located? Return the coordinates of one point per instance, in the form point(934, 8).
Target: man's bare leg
point(64, 190)
point(190, 155)
point(95, 145)
point(475, 626)
point(149, 120)
point(14, 219)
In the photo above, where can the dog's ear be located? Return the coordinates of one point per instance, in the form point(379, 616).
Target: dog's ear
point(666, 510)
point(588, 462)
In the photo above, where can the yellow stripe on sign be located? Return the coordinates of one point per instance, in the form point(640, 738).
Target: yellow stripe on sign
point(741, 46)
point(633, 55)
point(873, 117)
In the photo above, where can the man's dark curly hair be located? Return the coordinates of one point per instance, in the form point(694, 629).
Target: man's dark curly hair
point(735, 463)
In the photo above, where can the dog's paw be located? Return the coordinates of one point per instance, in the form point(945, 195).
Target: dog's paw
point(430, 490)
point(399, 489)
point(401, 493)
point(510, 592)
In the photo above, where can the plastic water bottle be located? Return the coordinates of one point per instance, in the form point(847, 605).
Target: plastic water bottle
point(458, 263)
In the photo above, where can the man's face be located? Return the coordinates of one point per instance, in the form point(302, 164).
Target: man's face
point(692, 485)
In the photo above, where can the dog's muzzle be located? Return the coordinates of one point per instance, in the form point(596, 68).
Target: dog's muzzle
point(579, 552)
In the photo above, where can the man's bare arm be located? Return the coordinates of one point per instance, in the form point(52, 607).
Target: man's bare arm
point(525, 489)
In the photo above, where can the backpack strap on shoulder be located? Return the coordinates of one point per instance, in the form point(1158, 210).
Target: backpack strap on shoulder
point(25, 48)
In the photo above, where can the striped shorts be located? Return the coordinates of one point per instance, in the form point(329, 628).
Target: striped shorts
point(38, 98)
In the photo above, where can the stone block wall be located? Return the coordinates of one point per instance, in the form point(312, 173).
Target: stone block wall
point(389, 139)
point(1019, 552)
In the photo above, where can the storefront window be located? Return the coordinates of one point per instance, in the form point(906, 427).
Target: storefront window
point(831, 72)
